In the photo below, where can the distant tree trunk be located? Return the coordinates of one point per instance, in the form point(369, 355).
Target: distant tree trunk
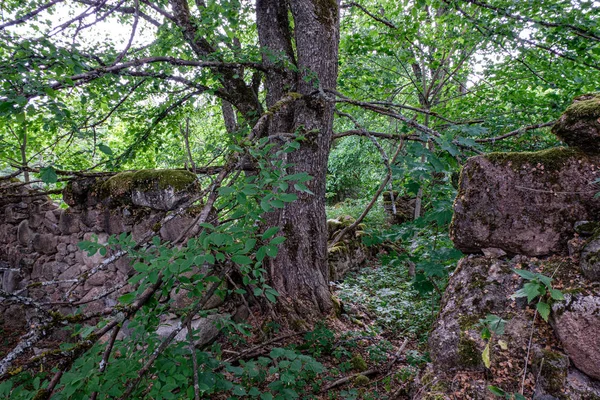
point(300, 272)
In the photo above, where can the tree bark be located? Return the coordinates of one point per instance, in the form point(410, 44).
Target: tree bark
point(300, 272)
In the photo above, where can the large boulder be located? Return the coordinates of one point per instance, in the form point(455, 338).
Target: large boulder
point(157, 189)
point(563, 362)
point(579, 126)
point(524, 203)
point(479, 286)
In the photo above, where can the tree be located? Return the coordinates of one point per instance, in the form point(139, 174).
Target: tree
point(298, 63)
point(270, 69)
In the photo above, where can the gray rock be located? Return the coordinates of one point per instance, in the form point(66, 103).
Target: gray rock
point(524, 203)
point(45, 243)
point(24, 234)
point(478, 286)
point(10, 280)
point(492, 252)
point(551, 369)
point(579, 126)
point(68, 222)
point(204, 329)
point(589, 260)
point(577, 326)
point(172, 229)
point(582, 387)
point(160, 199)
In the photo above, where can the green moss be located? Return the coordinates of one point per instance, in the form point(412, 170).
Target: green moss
point(467, 322)
point(553, 371)
point(358, 362)
point(361, 380)
point(123, 183)
point(588, 227)
point(337, 305)
point(584, 107)
point(468, 352)
point(552, 159)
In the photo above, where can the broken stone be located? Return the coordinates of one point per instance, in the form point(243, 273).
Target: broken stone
point(45, 243)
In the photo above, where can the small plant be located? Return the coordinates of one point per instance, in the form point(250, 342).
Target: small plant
point(491, 325)
point(501, 393)
point(319, 341)
point(539, 287)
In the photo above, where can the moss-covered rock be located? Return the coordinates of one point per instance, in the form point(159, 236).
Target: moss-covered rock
point(579, 126)
point(551, 368)
point(590, 258)
point(401, 210)
point(361, 380)
point(358, 362)
point(524, 203)
point(349, 253)
point(158, 189)
point(548, 160)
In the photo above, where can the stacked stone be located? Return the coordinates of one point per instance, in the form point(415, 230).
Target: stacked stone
point(39, 253)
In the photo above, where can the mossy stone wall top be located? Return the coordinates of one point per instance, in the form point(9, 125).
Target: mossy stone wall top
point(165, 188)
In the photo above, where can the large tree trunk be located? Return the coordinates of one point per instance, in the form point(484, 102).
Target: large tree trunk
point(300, 271)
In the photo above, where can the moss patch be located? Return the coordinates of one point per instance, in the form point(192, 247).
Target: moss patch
point(122, 184)
point(468, 352)
point(553, 371)
point(361, 380)
point(552, 159)
point(358, 362)
point(585, 107)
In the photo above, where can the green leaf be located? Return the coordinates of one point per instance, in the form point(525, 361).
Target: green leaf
point(242, 260)
point(523, 273)
point(556, 295)
point(48, 175)
point(485, 356)
point(544, 310)
point(277, 240)
point(302, 188)
point(269, 233)
point(127, 298)
point(496, 391)
point(271, 250)
point(531, 290)
point(105, 149)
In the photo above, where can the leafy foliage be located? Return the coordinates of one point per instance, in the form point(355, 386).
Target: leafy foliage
point(538, 286)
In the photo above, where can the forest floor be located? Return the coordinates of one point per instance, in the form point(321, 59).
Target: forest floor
point(375, 347)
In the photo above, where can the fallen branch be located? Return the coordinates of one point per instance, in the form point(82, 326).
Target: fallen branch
point(370, 372)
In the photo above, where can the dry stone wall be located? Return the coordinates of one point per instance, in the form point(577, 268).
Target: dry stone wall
point(39, 253)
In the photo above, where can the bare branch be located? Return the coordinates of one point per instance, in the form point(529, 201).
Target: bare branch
point(30, 15)
point(516, 132)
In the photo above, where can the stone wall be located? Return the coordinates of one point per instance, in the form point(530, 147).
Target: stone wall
point(39, 253)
